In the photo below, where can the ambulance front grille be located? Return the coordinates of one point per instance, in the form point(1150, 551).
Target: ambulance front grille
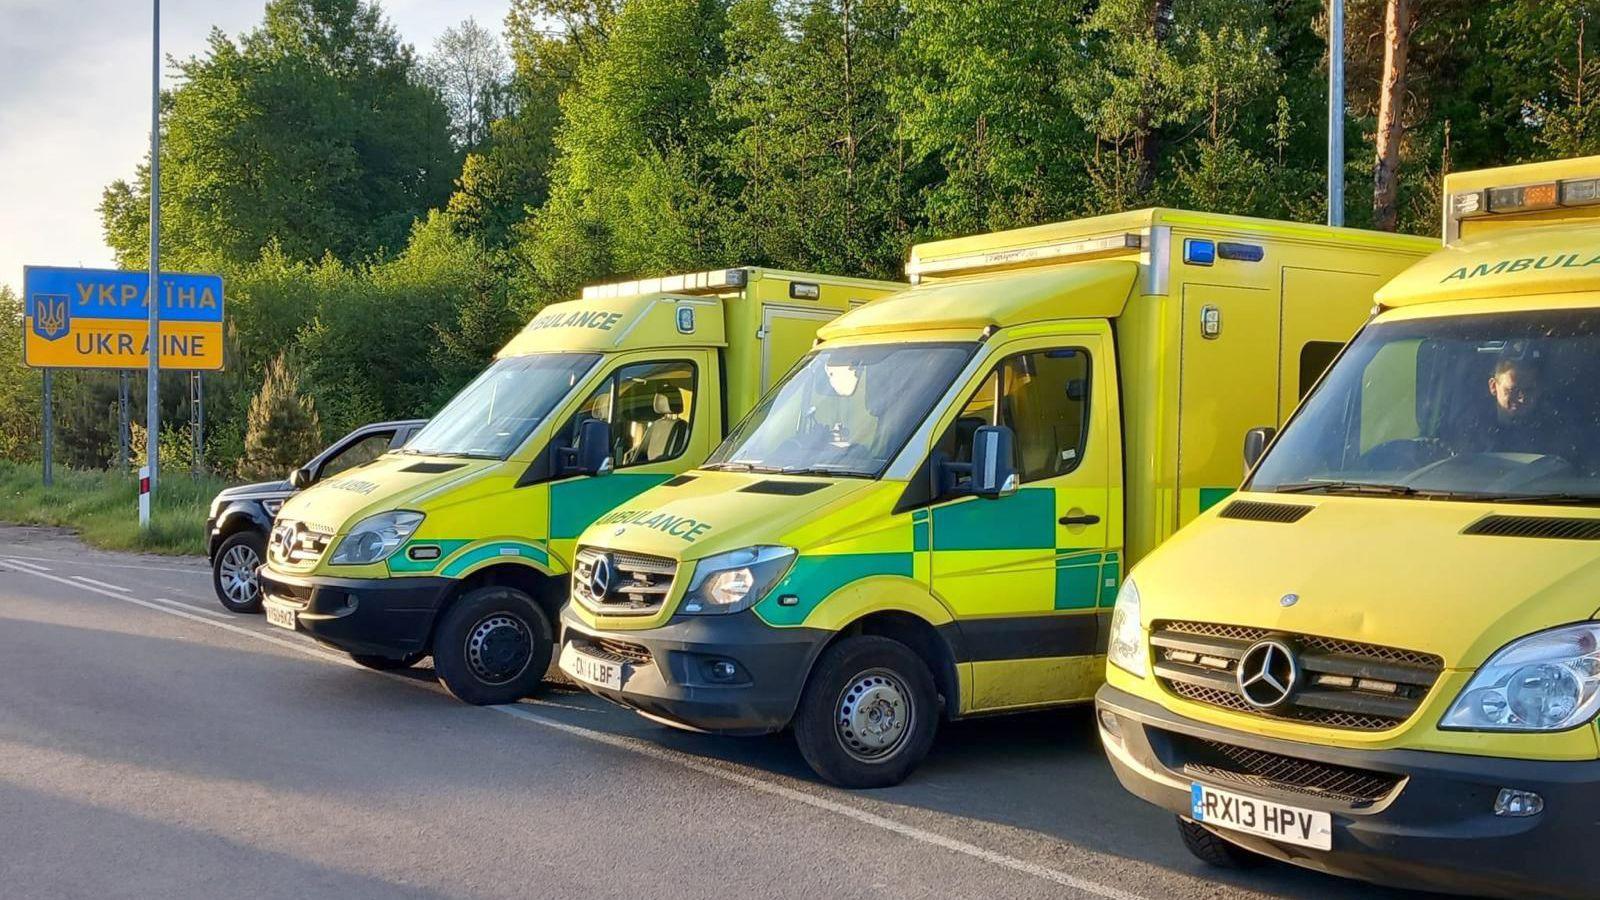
point(297, 543)
point(637, 585)
point(1342, 684)
point(1229, 765)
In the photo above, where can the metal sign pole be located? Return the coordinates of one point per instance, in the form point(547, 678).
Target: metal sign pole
point(1335, 112)
point(123, 436)
point(47, 415)
point(197, 421)
point(153, 297)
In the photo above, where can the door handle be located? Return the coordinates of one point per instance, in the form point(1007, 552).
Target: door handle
point(1085, 519)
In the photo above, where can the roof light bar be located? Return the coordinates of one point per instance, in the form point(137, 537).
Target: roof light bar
point(1525, 197)
point(713, 282)
point(1060, 251)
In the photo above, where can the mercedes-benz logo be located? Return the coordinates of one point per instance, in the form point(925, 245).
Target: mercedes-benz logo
point(1267, 674)
point(600, 578)
point(1288, 600)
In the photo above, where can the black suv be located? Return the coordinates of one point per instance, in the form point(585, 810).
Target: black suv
point(241, 517)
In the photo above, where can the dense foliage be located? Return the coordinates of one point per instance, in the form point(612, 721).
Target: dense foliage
point(311, 160)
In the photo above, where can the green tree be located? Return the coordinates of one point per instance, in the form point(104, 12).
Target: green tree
point(817, 154)
point(470, 72)
point(312, 129)
point(283, 428)
point(509, 175)
point(981, 99)
point(634, 188)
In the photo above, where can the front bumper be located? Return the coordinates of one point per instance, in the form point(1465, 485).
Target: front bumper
point(377, 616)
point(667, 672)
point(1435, 830)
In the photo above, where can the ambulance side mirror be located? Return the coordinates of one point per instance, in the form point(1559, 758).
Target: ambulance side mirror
point(300, 478)
point(591, 455)
point(994, 475)
point(1255, 444)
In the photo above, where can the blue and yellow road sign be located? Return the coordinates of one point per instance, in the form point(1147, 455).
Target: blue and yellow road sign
point(99, 319)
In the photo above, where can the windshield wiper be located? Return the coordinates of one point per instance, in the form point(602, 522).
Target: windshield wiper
point(1558, 499)
point(823, 469)
point(739, 466)
point(1348, 487)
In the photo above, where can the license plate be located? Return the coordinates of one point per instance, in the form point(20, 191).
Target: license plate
point(589, 669)
point(1265, 818)
point(281, 616)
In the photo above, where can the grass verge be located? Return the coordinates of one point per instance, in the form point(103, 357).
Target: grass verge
point(103, 507)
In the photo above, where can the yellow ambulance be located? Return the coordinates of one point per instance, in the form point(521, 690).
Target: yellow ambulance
point(930, 516)
point(459, 544)
point(1381, 658)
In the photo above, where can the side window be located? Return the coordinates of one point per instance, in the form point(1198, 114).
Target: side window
point(650, 407)
point(1043, 397)
point(1390, 414)
point(1315, 357)
point(360, 453)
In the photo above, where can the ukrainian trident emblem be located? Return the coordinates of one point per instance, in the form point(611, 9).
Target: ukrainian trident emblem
point(52, 315)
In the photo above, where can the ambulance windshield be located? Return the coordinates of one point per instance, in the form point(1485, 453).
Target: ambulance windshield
point(494, 414)
point(1502, 407)
point(843, 410)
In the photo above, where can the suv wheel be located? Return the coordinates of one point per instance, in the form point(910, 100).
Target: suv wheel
point(233, 572)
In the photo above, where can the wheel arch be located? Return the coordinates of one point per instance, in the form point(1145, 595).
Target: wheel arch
point(547, 589)
point(928, 641)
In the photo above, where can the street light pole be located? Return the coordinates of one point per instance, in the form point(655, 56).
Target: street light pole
point(1335, 112)
point(153, 296)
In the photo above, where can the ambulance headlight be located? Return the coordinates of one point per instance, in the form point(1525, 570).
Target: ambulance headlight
point(1126, 647)
point(736, 580)
point(375, 537)
point(1548, 681)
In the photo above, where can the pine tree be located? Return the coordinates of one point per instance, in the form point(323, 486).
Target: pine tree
point(282, 428)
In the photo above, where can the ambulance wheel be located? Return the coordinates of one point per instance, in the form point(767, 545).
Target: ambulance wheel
point(492, 646)
point(1214, 851)
point(233, 572)
point(868, 713)
point(387, 663)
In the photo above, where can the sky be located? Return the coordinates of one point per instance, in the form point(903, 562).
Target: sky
point(75, 105)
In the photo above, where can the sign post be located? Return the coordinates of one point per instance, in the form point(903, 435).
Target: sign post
point(152, 415)
point(48, 420)
point(1335, 112)
point(144, 496)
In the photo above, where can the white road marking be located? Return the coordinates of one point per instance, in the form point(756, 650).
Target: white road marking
point(306, 648)
point(643, 748)
point(33, 567)
point(177, 565)
point(216, 614)
point(101, 584)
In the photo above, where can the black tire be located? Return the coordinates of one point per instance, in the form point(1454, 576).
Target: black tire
point(1213, 850)
point(235, 552)
point(492, 646)
point(387, 663)
point(896, 683)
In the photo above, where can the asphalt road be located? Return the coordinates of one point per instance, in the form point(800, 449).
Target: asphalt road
point(152, 744)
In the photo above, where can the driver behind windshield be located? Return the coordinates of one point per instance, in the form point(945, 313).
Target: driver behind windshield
point(1521, 422)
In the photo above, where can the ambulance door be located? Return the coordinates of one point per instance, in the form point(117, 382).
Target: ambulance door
point(659, 407)
point(1228, 384)
point(787, 333)
point(1024, 574)
point(1322, 310)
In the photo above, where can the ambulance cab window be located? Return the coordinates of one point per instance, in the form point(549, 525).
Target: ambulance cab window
point(650, 407)
point(1043, 397)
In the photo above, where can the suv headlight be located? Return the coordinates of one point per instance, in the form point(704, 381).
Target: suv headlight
point(1126, 646)
point(375, 537)
point(1547, 681)
point(736, 580)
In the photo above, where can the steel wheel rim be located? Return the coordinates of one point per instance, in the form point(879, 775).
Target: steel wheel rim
point(499, 648)
point(238, 573)
point(873, 715)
